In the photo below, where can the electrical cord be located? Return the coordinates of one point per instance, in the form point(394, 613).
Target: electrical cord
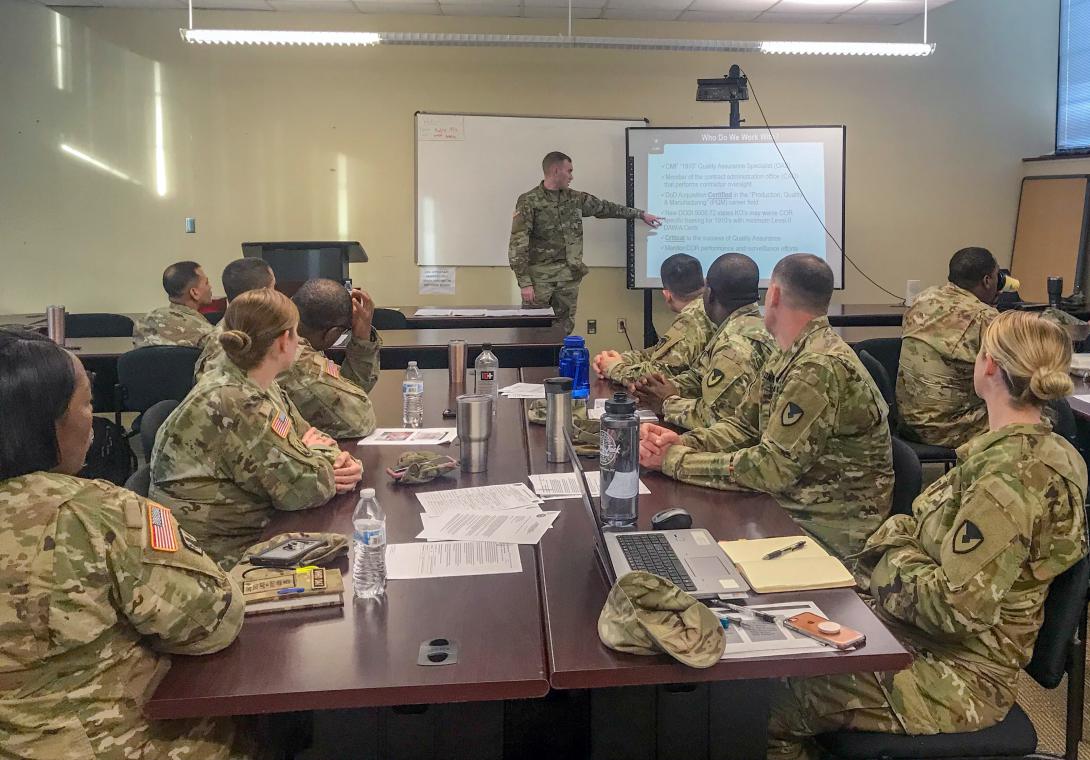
point(817, 216)
point(626, 336)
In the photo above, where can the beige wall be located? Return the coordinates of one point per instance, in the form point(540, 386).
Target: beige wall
point(309, 144)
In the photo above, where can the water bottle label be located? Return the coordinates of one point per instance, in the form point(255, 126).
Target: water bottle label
point(412, 387)
point(374, 537)
point(608, 449)
point(488, 375)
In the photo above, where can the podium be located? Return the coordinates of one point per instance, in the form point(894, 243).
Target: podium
point(295, 262)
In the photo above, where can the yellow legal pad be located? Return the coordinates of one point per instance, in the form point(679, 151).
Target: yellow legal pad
point(810, 567)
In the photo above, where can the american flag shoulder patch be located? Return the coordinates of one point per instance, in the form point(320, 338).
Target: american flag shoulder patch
point(332, 369)
point(162, 533)
point(281, 424)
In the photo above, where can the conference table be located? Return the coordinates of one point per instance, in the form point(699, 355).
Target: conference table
point(519, 635)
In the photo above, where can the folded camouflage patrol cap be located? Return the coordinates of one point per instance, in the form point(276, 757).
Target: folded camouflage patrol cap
point(585, 432)
point(646, 614)
point(333, 545)
point(420, 467)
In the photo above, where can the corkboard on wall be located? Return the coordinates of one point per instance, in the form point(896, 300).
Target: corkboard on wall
point(1050, 236)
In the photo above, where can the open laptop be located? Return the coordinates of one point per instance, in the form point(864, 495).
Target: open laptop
point(690, 558)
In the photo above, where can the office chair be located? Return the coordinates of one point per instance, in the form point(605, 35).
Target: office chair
point(151, 374)
point(389, 319)
point(140, 481)
point(97, 326)
point(1060, 649)
point(152, 420)
point(907, 477)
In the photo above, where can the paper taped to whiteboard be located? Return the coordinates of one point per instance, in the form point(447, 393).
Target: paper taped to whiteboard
point(438, 127)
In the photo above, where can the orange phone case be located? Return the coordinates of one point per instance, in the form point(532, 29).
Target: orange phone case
point(806, 623)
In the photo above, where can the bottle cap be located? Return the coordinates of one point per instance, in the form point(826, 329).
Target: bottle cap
point(574, 341)
point(367, 493)
point(486, 346)
point(558, 385)
point(621, 403)
point(411, 365)
point(829, 628)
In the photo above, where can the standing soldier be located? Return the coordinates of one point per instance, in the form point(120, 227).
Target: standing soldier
point(546, 250)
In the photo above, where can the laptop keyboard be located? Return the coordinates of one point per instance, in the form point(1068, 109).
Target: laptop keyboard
point(651, 552)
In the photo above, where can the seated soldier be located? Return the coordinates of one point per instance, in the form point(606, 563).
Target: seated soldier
point(236, 449)
point(941, 340)
point(94, 601)
point(715, 386)
point(813, 430)
point(679, 347)
point(240, 276)
point(180, 323)
point(962, 581)
point(334, 398)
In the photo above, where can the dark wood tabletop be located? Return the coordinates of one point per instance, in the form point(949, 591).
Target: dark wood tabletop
point(365, 653)
point(852, 335)
point(866, 314)
point(574, 589)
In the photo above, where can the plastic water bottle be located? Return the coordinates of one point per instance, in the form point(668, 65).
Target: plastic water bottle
point(412, 397)
point(575, 363)
point(618, 460)
point(369, 537)
point(485, 371)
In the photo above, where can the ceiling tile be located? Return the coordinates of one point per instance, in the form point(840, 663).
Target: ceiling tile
point(479, 9)
point(796, 18)
point(648, 5)
point(711, 17)
point(415, 8)
point(563, 4)
point(876, 19)
point(544, 12)
point(314, 6)
point(641, 14)
point(74, 3)
point(898, 6)
point(815, 6)
point(732, 6)
point(232, 5)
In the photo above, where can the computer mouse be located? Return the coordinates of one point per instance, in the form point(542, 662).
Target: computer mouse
point(675, 518)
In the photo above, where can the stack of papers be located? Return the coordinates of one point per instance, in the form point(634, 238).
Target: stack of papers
point(451, 558)
point(469, 312)
point(409, 437)
point(498, 498)
point(810, 567)
point(512, 527)
point(565, 485)
point(524, 390)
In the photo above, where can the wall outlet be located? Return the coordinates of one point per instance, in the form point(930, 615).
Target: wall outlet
point(622, 325)
point(592, 326)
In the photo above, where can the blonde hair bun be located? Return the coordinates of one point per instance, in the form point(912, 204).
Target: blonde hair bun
point(1034, 353)
point(1048, 384)
point(235, 342)
point(254, 320)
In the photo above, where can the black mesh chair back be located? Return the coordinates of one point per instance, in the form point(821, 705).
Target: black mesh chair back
point(886, 350)
point(907, 477)
point(152, 420)
point(1065, 608)
point(140, 481)
point(1063, 421)
point(146, 376)
point(389, 319)
point(97, 326)
point(880, 376)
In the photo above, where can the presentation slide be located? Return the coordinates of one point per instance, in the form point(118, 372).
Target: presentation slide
point(722, 190)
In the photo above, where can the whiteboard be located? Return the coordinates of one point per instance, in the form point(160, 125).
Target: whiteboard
point(470, 170)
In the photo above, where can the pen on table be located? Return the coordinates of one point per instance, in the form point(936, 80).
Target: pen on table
point(770, 617)
point(780, 552)
point(286, 591)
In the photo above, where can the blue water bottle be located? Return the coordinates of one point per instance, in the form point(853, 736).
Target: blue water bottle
point(575, 363)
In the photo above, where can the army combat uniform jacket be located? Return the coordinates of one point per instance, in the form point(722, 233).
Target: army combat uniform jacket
point(676, 351)
point(99, 586)
point(230, 455)
point(547, 233)
point(935, 395)
point(172, 325)
point(332, 397)
point(717, 383)
point(813, 433)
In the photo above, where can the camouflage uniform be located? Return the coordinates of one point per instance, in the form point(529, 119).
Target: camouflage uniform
point(91, 611)
point(230, 455)
point(334, 398)
point(962, 584)
point(546, 248)
point(172, 325)
point(676, 351)
point(719, 380)
point(935, 395)
point(813, 433)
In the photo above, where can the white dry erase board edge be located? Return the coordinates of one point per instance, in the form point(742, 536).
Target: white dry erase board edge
point(470, 169)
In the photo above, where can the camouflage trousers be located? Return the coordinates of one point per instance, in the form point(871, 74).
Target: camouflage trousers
point(562, 296)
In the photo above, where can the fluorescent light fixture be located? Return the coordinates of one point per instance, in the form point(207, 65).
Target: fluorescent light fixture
point(849, 48)
point(94, 162)
point(273, 37)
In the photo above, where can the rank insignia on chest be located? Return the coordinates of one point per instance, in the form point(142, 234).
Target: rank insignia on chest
point(161, 532)
point(282, 425)
point(715, 377)
point(967, 537)
point(791, 414)
point(331, 368)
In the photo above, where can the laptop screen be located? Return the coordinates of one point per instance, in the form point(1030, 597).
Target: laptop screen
point(584, 490)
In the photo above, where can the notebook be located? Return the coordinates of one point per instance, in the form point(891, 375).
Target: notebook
point(810, 567)
point(278, 590)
